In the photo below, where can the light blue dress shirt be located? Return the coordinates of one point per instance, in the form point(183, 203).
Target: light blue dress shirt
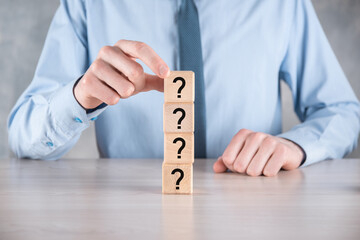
point(248, 46)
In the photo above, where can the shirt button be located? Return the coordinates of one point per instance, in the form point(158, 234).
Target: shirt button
point(93, 119)
point(78, 120)
point(49, 144)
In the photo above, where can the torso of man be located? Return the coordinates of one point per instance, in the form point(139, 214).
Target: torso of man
point(243, 45)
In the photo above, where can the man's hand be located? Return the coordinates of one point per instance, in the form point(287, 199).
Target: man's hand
point(115, 74)
point(256, 153)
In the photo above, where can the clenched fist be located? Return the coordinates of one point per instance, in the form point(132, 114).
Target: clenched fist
point(256, 153)
point(115, 74)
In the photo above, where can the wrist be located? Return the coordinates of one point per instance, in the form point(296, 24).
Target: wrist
point(299, 155)
point(76, 92)
point(85, 102)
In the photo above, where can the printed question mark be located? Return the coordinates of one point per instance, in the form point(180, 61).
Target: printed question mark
point(182, 116)
point(182, 85)
point(180, 178)
point(181, 147)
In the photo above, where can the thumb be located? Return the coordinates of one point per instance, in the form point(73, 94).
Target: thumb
point(219, 166)
point(153, 82)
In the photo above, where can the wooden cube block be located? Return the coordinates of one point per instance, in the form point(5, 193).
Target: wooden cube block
point(177, 178)
point(179, 148)
point(179, 117)
point(179, 87)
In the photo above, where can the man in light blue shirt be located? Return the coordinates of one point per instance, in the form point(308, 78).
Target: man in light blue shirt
point(247, 47)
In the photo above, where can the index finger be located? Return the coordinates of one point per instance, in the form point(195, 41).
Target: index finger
point(219, 166)
point(146, 54)
point(233, 149)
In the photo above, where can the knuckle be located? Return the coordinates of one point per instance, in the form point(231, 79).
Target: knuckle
point(257, 135)
point(140, 46)
point(270, 142)
point(105, 50)
point(227, 160)
point(240, 167)
point(96, 66)
point(269, 173)
point(252, 172)
point(112, 99)
point(127, 92)
point(86, 82)
point(136, 71)
point(120, 42)
point(281, 150)
point(125, 96)
point(244, 131)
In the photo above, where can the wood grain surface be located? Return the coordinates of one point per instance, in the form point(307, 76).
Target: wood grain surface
point(185, 148)
point(177, 178)
point(186, 119)
point(181, 90)
point(121, 199)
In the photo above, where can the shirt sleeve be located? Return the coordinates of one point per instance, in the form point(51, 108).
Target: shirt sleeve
point(47, 120)
point(323, 99)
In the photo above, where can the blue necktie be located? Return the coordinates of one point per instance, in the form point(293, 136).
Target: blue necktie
point(191, 59)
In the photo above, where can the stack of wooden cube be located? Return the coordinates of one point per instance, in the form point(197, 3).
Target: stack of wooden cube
point(177, 169)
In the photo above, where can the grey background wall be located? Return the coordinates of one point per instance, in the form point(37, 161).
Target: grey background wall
point(24, 24)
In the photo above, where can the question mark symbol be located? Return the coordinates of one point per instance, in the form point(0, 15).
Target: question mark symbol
point(181, 147)
point(182, 116)
point(180, 178)
point(182, 85)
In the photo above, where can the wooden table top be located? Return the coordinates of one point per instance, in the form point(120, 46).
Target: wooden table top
point(121, 199)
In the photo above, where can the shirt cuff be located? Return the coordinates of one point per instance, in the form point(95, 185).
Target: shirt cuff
point(69, 118)
point(67, 112)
